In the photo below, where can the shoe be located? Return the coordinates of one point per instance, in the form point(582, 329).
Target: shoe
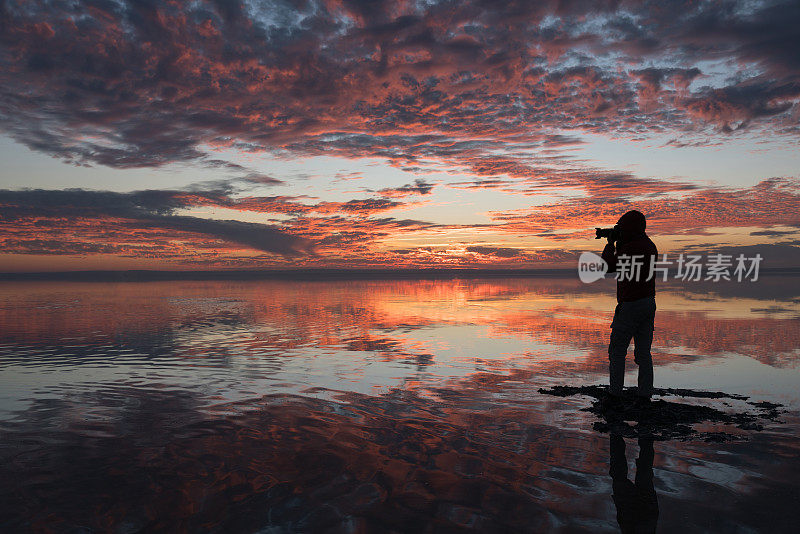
point(642, 402)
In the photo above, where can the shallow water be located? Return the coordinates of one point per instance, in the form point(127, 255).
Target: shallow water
point(374, 406)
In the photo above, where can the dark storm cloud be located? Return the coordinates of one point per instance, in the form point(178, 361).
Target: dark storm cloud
point(245, 174)
point(419, 187)
point(369, 205)
point(155, 224)
point(143, 210)
point(142, 84)
point(734, 107)
point(774, 255)
point(254, 235)
point(766, 32)
point(774, 233)
point(82, 203)
point(58, 247)
point(501, 252)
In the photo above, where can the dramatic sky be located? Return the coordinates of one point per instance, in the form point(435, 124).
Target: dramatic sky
point(211, 134)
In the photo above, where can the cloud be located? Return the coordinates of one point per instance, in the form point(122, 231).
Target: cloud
point(154, 224)
point(774, 233)
point(58, 247)
point(258, 236)
point(495, 95)
point(54, 211)
point(774, 255)
point(143, 84)
point(775, 201)
point(419, 187)
point(734, 107)
point(501, 252)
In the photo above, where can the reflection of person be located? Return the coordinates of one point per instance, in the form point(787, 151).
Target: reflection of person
point(636, 502)
point(636, 303)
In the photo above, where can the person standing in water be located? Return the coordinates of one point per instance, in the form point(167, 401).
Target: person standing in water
point(634, 316)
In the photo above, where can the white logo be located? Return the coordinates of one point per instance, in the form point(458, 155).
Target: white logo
point(591, 267)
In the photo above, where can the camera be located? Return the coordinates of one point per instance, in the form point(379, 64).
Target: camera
point(613, 234)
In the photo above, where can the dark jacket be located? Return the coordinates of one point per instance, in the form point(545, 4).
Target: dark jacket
point(636, 245)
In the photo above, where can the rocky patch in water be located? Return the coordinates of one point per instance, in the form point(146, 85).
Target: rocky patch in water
point(662, 419)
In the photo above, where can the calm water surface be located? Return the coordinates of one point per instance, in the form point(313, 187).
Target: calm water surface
point(375, 406)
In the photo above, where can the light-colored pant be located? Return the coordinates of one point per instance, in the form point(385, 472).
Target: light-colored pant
point(632, 320)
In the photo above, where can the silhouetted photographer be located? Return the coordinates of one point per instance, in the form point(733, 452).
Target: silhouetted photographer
point(629, 247)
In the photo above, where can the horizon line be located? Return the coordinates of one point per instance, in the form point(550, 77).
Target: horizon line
point(299, 273)
point(309, 273)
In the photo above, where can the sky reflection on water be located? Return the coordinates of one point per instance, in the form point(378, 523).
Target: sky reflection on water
point(363, 406)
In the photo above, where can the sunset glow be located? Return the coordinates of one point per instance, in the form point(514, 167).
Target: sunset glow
point(270, 134)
